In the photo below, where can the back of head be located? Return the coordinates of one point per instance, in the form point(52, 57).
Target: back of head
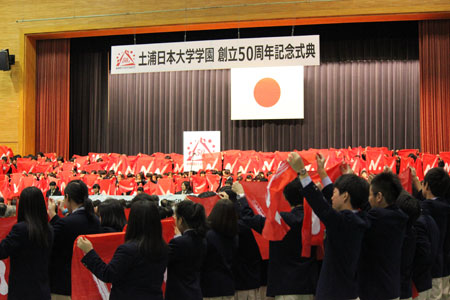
point(147, 197)
point(3, 208)
point(112, 214)
point(438, 182)
point(144, 228)
point(356, 187)
point(223, 218)
point(193, 215)
point(32, 210)
point(77, 191)
point(409, 205)
point(293, 192)
point(388, 185)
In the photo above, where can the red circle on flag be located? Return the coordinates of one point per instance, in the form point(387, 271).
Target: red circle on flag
point(267, 92)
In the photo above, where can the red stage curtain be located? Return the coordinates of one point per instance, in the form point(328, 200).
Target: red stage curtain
point(434, 43)
point(52, 96)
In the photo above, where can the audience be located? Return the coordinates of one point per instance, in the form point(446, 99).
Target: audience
point(380, 242)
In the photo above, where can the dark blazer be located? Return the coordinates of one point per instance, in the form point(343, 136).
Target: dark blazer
point(427, 244)
point(107, 229)
point(186, 254)
point(57, 192)
point(28, 275)
point(132, 275)
point(66, 230)
point(288, 273)
point(247, 262)
point(439, 209)
point(217, 277)
point(406, 267)
point(379, 268)
point(344, 234)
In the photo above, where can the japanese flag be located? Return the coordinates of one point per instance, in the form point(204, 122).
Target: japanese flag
point(267, 93)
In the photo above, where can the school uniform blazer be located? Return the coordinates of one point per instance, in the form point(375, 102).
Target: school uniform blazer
point(427, 244)
point(247, 262)
point(344, 234)
point(379, 268)
point(28, 275)
point(216, 276)
point(288, 273)
point(132, 275)
point(406, 267)
point(439, 209)
point(186, 254)
point(66, 230)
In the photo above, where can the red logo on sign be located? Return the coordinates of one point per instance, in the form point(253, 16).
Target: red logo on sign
point(125, 59)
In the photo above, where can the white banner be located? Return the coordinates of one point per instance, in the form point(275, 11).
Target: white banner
point(216, 54)
point(197, 143)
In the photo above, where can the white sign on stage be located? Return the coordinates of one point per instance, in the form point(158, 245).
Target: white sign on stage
point(197, 143)
point(216, 54)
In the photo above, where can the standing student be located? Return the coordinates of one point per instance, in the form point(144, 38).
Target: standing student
point(186, 253)
point(81, 220)
point(435, 188)
point(217, 280)
point(28, 246)
point(290, 276)
point(345, 227)
point(411, 207)
point(379, 268)
point(137, 268)
point(247, 261)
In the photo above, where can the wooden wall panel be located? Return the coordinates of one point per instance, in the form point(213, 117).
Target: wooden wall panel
point(16, 23)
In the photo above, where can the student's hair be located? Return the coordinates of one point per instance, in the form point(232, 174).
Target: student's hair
point(293, 192)
point(223, 218)
point(60, 158)
point(77, 191)
point(2, 200)
point(52, 183)
point(96, 203)
point(112, 214)
point(409, 205)
point(32, 210)
point(438, 182)
point(40, 153)
point(140, 189)
point(356, 187)
point(96, 186)
point(146, 197)
point(3, 208)
point(193, 215)
point(388, 184)
point(186, 184)
point(145, 229)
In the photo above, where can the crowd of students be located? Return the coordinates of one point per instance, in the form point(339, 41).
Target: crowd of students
point(381, 243)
